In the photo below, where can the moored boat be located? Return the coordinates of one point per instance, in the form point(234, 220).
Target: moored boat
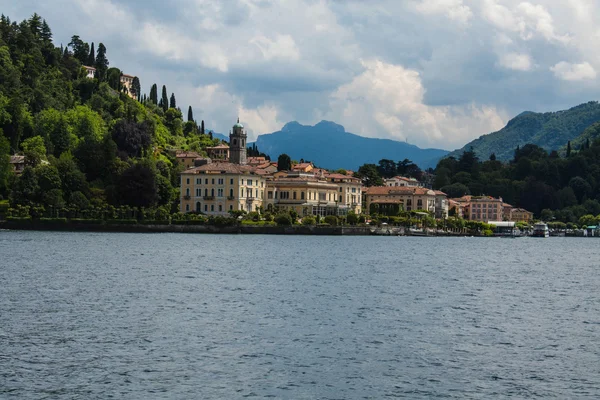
point(540, 229)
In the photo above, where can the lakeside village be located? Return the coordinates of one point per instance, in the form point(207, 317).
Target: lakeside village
point(228, 182)
point(227, 189)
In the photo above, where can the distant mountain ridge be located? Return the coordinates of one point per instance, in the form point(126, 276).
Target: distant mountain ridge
point(551, 131)
point(328, 145)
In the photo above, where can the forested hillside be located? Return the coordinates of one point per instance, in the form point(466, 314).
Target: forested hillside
point(550, 131)
point(563, 188)
point(87, 143)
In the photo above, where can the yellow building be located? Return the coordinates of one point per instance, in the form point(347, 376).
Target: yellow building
point(215, 188)
point(304, 193)
point(395, 198)
point(127, 82)
point(349, 191)
point(520, 215)
point(218, 152)
point(187, 158)
point(219, 187)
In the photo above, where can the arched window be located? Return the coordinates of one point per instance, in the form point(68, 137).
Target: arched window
point(198, 207)
point(235, 142)
point(212, 192)
point(230, 192)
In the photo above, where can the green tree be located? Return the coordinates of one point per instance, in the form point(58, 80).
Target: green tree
point(172, 102)
point(136, 88)
point(113, 78)
point(101, 62)
point(369, 175)
point(91, 60)
point(154, 94)
point(34, 150)
point(164, 102)
point(284, 163)
point(190, 116)
point(81, 50)
point(5, 167)
point(569, 148)
point(137, 187)
point(202, 127)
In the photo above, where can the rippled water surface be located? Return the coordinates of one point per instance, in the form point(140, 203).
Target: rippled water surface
point(151, 316)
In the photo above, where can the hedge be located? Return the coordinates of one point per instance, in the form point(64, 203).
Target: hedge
point(122, 221)
point(86, 221)
point(18, 219)
point(53, 220)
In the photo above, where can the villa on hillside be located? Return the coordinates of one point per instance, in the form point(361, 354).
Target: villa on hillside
point(390, 200)
point(90, 72)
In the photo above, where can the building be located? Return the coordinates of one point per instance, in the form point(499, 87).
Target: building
point(455, 209)
point(303, 167)
point(399, 181)
point(218, 187)
point(90, 72)
point(127, 82)
point(349, 191)
point(304, 193)
point(17, 163)
point(256, 161)
point(520, 215)
point(218, 152)
point(441, 204)
point(395, 199)
point(485, 209)
point(187, 158)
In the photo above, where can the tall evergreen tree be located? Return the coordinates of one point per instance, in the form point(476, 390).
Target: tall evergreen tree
point(35, 25)
point(190, 114)
point(172, 102)
point(136, 88)
point(202, 128)
point(154, 94)
point(569, 148)
point(81, 50)
point(164, 102)
point(101, 62)
point(91, 61)
point(46, 32)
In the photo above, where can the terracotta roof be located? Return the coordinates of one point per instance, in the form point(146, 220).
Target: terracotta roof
point(127, 76)
point(302, 166)
point(219, 146)
point(387, 201)
point(440, 193)
point(222, 167)
point(89, 68)
point(340, 176)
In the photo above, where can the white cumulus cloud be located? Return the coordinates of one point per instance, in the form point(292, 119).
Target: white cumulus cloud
point(574, 72)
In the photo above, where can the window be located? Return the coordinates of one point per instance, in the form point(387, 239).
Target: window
point(231, 181)
point(249, 182)
point(340, 198)
point(187, 181)
point(187, 207)
point(301, 195)
point(212, 192)
point(294, 195)
point(219, 192)
point(322, 196)
point(198, 181)
point(270, 194)
point(206, 181)
point(341, 189)
point(242, 182)
point(198, 192)
point(206, 207)
point(221, 181)
point(284, 195)
point(206, 192)
point(198, 207)
point(230, 192)
point(187, 191)
point(353, 190)
point(212, 207)
point(220, 207)
point(230, 207)
point(213, 181)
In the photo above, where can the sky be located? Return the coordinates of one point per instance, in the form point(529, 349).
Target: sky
point(435, 73)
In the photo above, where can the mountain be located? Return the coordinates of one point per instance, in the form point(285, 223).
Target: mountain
point(551, 131)
point(328, 145)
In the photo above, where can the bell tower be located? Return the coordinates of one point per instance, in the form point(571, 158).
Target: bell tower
point(237, 144)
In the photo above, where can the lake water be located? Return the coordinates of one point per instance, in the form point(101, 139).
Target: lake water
point(176, 316)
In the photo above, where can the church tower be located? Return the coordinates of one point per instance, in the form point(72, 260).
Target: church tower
point(237, 144)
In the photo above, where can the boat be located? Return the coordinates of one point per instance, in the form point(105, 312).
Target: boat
point(540, 229)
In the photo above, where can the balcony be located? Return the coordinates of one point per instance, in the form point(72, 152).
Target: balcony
point(209, 197)
point(230, 197)
point(186, 197)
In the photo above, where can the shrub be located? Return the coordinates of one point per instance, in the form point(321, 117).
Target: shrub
point(352, 218)
point(309, 220)
point(283, 219)
point(331, 220)
point(18, 219)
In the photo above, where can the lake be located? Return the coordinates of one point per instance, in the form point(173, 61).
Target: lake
point(179, 316)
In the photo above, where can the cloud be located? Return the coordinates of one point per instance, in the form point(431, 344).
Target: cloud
point(516, 61)
point(388, 100)
point(453, 9)
point(574, 72)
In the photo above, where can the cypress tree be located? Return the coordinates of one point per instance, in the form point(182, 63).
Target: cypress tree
point(587, 143)
point(101, 62)
point(92, 57)
point(190, 114)
point(136, 88)
point(569, 148)
point(164, 102)
point(172, 103)
point(202, 128)
point(154, 94)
